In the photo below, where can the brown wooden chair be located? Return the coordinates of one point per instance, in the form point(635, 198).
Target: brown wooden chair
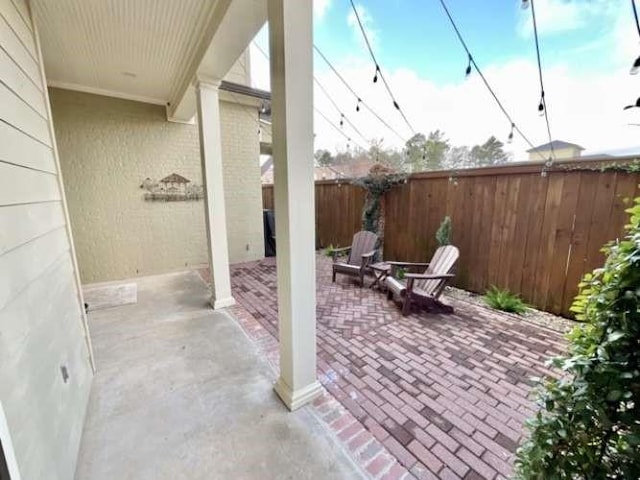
point(424, 289)
point(361, 253)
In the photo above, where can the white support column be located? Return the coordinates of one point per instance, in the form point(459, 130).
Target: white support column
point(290, 39)
point(216, 222)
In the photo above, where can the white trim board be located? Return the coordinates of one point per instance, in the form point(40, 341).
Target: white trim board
point(105, 93)
point(7, 447)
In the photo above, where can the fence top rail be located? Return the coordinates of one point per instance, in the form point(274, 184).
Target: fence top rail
point(512, 168)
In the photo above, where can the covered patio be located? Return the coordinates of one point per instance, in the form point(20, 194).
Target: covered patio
point(446, 395)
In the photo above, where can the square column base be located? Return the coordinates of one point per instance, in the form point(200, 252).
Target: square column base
point(298, 398)
point(217, 303)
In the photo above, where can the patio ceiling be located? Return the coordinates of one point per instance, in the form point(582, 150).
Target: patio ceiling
point(147, 50)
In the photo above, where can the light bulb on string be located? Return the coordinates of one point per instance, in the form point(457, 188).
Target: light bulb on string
point(395, 104)
point(375, 77)
point(541, 106)
point(468, 70)
point(635, 67)
point(358, 105)
point(525, 4)
point(510, 137)
point(341, 120)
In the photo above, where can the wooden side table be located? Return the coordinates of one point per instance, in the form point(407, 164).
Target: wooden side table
point(381, 270)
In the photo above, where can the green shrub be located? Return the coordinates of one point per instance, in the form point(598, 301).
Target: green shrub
point(443, 235)
point(504, 300)
point(588, 426)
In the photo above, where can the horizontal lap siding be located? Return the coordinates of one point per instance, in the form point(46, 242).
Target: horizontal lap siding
point(40, 315)
point(534, 235)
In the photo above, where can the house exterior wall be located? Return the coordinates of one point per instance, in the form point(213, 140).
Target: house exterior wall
point(41, 320)
point(242, 186)
point(561, 153)
point(108, 147)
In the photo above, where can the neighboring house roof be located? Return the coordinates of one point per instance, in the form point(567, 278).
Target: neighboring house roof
point(556, 144)
point(175, 178)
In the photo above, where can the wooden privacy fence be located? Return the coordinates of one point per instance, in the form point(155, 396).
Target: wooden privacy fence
point(535, 235)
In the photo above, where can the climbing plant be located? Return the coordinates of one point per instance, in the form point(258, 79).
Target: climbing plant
point(588, 426)
point(377, 182)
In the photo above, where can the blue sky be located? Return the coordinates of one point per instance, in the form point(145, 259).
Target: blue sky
point(587, 48)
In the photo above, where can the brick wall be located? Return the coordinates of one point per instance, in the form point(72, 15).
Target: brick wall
point(108, 147)
point(243, 190)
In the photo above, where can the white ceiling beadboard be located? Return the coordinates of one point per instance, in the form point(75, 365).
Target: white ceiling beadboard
point(131, 48)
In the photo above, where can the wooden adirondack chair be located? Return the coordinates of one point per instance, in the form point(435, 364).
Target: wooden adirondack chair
point(424, 289)
point(361, 253)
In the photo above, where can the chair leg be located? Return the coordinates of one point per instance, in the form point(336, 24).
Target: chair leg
point(406, 306)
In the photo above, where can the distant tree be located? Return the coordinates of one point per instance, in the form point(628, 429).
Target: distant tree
point(489, 153)
point(324, 158)
point(458, 157)
point(415, 150)
point(388, 157)
point(427, 153)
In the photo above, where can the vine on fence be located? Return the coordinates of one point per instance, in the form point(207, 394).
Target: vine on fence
point(632, 166)
point(377, 182)
point(589, 423)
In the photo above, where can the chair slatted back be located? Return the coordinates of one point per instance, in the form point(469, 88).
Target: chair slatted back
point(363, 242)
point(443, 262)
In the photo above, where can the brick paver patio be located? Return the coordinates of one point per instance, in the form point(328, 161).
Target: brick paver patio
point(446, 395)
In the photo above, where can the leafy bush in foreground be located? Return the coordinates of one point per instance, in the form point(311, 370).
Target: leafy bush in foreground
point(589, 423)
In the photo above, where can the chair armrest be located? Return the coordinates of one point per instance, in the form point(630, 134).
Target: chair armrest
point(427, 276)
point(408, 264)
point(366, 259)
point(335, 252)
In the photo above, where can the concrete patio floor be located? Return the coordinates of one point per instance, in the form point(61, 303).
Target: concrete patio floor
point(446, 395)
point(182, 393)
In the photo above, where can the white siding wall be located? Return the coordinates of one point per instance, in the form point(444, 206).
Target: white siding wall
point(41, 321)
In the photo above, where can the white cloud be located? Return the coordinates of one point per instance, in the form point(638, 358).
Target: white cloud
point(558, 16)
point(587, 111)
point(584, 108)
point(367, 23)
point(320, 8)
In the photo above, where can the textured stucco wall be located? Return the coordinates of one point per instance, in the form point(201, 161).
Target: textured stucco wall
point(108, 147)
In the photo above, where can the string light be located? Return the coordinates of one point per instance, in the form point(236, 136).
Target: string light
point(542, 106)
point(483, 78)
point(468, 70)
point(358, 105)
point(637, 105)
point(525, 4)
point(378, 70)
point(341, 132)
point(510, 138)
point(341, 120)
point(360, 101)
point(636, 65)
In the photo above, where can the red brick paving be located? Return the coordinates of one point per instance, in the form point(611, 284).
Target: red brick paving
point(445, 394)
